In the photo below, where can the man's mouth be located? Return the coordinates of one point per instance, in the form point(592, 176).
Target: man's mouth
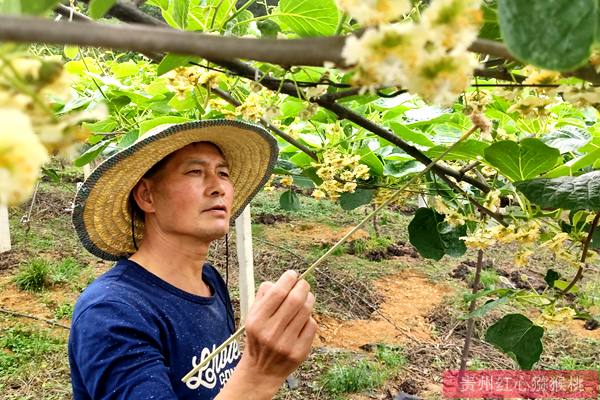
point(217, 208)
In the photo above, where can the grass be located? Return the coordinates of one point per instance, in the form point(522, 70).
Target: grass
point(365, 374)
point(64, 310)
point(22, 346)
point(39, 274)
point(65, 271)
point(34, 275)
point(356, 377)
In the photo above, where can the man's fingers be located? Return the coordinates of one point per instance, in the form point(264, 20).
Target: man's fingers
point(299, 320)
point(262, 289)
point(277, 293)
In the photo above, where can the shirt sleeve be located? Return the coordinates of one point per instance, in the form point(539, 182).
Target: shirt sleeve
point(115, 352)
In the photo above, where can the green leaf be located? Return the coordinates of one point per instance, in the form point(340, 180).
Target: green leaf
point(371, 160)
point(551, 277)
point(455, 246)
point(432, 238)
point(289, 201)
point(124, 69)
point(567, 139)
point(400, 169)
point(595, 239)
point(487, 307)
point(90, 154)
point(51, 174)
point(552, 34)
point(490, 29)
point(303, 181)
point(524, 160)
point(308, 17)
point(517, 336)
point(291, 107)
point(98, 8)
point(568, 192)
point(409, 135)
point(239, 26)
point(36, 7)
point(172, 61)
point(129, 138)
point(574, 165)
point(10, 7)
point(562, 285)
point(209, 15)
point(71, 51)
point(360, 197)
point(180, 12)
point(170, 119)
point(301, 159)
point(106, 125)
point(469, 150)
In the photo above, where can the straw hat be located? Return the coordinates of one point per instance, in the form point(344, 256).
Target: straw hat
point(102, 213)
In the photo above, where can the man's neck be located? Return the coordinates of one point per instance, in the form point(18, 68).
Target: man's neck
point(178, 264)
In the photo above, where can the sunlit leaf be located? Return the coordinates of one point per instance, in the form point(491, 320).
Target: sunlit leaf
point(308, 17)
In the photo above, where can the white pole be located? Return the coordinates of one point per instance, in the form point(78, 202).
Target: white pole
point(4, 230)
point(243, 229)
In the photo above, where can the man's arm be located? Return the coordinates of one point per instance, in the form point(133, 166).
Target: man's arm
point(279, 334)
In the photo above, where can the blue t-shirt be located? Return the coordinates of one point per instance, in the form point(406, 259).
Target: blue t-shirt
point(134, 336)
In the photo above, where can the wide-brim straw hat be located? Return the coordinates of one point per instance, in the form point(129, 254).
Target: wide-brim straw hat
point(102, 213)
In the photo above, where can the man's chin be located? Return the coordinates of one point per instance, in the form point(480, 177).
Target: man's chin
point(215, 232)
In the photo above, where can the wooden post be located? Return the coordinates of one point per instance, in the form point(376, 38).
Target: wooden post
point(243, 234)
point(4, 230)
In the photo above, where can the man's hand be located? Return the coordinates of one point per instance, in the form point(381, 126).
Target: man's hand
point(279, 334)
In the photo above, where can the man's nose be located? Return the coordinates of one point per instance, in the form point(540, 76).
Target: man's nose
point(214, 184)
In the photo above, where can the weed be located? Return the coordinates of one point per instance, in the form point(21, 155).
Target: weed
point(488, 279)
point(65, 271)
point(392, 357)
point(20, 346)
point(64, 310)
point(362, 375)
point(33, 276)
point(571, 363)
point(476, 364)
point(590, 295)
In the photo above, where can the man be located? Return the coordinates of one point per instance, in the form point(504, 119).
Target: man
point(139, 328)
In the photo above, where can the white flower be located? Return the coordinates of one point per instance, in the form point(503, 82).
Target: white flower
point(21, 156)
point(439, 79)
point(374, 12)
point(453, 23)
point(384, 53)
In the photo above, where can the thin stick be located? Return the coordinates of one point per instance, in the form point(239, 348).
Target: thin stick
point(335, 247)
point(18, 314)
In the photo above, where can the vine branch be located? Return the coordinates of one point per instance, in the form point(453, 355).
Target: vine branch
point(161, 38)
point(471, 322)
point(584, 252)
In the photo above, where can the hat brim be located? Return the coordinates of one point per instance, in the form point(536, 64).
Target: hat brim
point(102, 214)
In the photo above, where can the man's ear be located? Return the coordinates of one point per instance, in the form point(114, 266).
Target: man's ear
point(142, 194)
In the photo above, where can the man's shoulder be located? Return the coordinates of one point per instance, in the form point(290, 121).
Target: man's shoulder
point(111, 287)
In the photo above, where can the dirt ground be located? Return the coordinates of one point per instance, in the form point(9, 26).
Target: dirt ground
point(408, 297)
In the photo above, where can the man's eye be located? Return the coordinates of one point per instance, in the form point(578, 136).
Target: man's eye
point(225, 174)
point(195, 171)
